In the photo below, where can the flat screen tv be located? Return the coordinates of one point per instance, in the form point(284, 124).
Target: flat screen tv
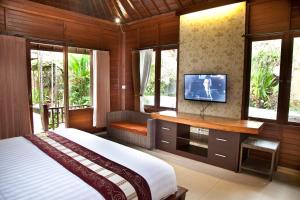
point(205, 87)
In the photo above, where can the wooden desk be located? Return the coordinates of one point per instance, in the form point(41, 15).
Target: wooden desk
point(216, 141)
point(209, 122)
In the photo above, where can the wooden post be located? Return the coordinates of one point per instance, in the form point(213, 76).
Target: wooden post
point(46, 117)
point(66, 87)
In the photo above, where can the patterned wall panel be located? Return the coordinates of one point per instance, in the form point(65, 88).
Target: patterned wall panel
point(211, 41)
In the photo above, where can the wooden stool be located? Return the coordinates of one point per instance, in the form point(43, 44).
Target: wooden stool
point(259, 166)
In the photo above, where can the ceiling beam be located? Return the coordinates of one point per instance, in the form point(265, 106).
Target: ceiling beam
point(205, 5)
point(167, 5)
point(120, 7)
point(156, 7)
point(179, 4)
point(145, 7)
point(112, 14)
point(118, 12)
point(134, 9)
point(103, 10)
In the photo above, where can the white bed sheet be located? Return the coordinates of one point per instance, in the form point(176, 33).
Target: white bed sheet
point(28, 173)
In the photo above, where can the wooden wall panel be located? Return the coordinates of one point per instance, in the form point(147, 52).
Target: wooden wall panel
point(82, 35)
point(153, 32)
point(25, 24)
point(148, 35)
point(82, 119)
point(295, 15)
point(48, 24)
point(2, 20)
point(268, 16)
point(290, 143)
point(169, 32)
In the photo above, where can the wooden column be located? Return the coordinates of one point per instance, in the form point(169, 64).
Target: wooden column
point(66, 89)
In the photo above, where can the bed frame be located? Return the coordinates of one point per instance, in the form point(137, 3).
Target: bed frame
point(179, 195)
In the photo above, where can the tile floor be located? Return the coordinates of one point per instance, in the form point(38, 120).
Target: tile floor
point(206, 182)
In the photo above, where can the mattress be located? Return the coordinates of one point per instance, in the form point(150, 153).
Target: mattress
point(28, 173)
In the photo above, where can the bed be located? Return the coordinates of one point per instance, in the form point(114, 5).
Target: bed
point(26, 172)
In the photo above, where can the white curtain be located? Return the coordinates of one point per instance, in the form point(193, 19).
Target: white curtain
point(101, 87)
point(145, 64)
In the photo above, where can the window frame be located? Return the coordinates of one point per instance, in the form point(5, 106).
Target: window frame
point(292, 36)
point(286, 59)
point(157, 107)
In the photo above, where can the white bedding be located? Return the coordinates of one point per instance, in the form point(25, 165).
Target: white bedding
point(28, 173)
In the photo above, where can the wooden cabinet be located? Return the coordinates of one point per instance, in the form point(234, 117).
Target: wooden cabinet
point(215, 141)
point(223, 149)
point(166, 136)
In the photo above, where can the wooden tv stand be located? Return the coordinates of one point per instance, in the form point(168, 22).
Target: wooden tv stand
point(216, 142)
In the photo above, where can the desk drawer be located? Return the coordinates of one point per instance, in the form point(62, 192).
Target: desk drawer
point(224, 160)
point(223, 149)
point(166, 142)
point(166, 136)
point(225, 142)
point(167, 127)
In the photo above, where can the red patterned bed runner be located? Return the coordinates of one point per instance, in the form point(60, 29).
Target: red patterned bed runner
point(110, 179)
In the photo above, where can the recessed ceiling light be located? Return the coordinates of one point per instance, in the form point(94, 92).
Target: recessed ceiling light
point(117, 20)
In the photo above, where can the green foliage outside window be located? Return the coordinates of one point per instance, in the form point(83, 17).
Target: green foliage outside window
point(264, 83)
point(79, 79)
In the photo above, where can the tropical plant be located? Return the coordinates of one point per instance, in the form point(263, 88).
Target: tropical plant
point(264, 90)
point(79, 70)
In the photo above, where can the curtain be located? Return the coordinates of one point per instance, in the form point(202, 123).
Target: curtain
point(145, 64)
point(101, 87)
point(14, 98)
point(135, 57)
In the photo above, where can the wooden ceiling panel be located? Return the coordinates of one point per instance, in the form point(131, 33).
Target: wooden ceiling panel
point(126, 10)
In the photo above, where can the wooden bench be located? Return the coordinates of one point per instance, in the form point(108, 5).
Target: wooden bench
point(132, 127)
point(140, 129)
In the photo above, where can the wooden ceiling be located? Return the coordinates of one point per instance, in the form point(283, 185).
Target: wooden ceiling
point(126, 10)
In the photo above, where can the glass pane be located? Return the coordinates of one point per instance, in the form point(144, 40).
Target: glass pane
point(294, 110)
point(150, 88)
point(264, 84)
point(168, 78)
point(79, 80)
point(47, 84)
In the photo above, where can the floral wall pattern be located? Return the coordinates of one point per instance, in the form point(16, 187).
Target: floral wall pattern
point(211, 41)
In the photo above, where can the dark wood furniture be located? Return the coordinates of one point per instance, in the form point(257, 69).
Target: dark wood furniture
point(216, 140)
point(259, 166)
point(179, 195)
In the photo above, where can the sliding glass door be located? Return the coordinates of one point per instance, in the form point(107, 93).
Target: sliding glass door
point(47, 84)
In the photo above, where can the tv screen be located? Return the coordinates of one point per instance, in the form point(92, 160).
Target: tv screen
point(205, 87)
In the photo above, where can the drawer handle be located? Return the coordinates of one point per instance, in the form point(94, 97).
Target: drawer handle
point(166, 129)
point(222, 140)
point(164, 141)
point(220, 155)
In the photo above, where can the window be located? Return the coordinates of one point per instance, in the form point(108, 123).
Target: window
point(264, 80)
point(161, 89)
point(168, 78)
point(79, 68)
point(294, 104)
point(149, 94)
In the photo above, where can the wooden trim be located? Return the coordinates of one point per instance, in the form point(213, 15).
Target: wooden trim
point(247, 67)
point(179, 195)
point(216, 123)
point(66, 86)
point(205, 5)
point(35, 8)
point(28, 60)
point(157, 79)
